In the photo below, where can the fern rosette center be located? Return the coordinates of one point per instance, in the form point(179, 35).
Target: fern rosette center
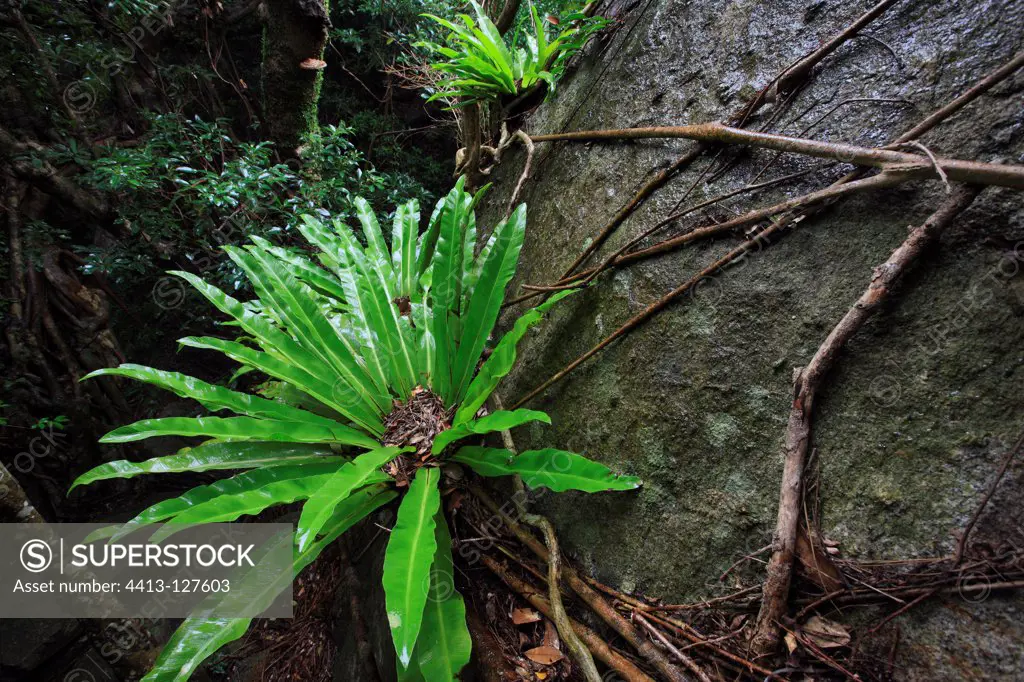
point(415, 423)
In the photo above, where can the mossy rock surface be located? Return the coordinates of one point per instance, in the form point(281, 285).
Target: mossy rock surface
point(912, 423)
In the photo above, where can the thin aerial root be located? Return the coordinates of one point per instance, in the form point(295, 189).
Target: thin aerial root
point(974, 172)
point(961, 547)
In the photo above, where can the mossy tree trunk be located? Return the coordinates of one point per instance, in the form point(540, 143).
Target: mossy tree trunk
point(294, 37)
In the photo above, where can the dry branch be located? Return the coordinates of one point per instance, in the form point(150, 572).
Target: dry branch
point(806, 383)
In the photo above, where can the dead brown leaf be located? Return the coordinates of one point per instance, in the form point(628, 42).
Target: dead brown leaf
point(816, 563)
point(551, 635)
point(826, 634)
point(524, 616)
point(545, 655)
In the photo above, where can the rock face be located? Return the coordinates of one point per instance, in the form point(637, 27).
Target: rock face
point(912, 423)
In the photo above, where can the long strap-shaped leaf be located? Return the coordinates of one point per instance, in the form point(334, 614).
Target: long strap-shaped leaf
point(502, 359)
point(428, 240)
point(468, 249)
point(240, 483)
point(339, 396)
point(214, 455)
point(403, 247)
point(374, 286)
point(240, 428)
point(364, 308)
point(472, 274)
point(339, 486)
point(446, 287)
point(341, 344)
point(407, 562)
point(444, 645)
point(424, 339)
point(214, 397)
point(486, 298)
point(270, 337)
point(317, 234)
point(197, 638)
point(376, 249)
point(307, 318)
point(496, 421)
point(303, 269)
point(229, 507)
point(283, 347)
point(558, 470)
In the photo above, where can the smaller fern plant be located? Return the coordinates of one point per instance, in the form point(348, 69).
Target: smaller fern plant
point(374, 356)
point(479, 66)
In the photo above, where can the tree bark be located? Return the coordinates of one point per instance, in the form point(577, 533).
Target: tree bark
point(47, 178)
point(507, 16)
point(294, 37)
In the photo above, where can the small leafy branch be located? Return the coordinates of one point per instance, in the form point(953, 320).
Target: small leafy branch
point(375, 349)
point(480, 67)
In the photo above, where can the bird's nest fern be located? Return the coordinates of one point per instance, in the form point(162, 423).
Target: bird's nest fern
point(376, 357)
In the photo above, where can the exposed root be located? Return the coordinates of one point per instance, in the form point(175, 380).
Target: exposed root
point(621, 665)
point(580, 653)
point(975, 172)
point(961, 547)
point(806, 383)
point(786, 81)
point(683, 658)
point(597, 603)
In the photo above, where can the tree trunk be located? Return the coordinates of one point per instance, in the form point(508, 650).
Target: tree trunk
point(294, 37)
